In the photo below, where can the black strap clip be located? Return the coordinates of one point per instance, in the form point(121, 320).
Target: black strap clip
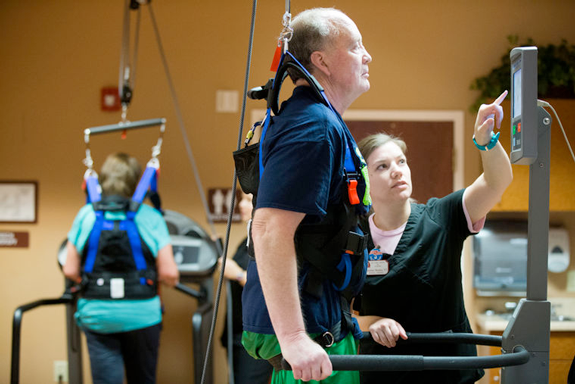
point(356, 243)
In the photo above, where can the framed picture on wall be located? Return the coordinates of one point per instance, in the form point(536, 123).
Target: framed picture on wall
point(18, 201)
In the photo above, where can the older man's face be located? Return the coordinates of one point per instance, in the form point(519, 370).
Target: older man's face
point(348, 62)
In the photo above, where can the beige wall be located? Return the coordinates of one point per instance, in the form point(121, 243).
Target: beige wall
point(56, 55)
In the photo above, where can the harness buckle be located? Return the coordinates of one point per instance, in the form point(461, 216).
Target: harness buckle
point(356, 243)
point(352, 191)
point(326, 339)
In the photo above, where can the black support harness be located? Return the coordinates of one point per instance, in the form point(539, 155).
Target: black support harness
point(335, 234)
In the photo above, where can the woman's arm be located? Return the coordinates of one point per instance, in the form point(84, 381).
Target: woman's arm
point(233, 271)
point(487, 189)
point(384, 331)
point(167, 268)
point(71, 267)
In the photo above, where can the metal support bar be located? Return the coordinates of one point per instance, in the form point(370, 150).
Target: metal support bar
point(201, 295)
point(230, 331)
point(530, 324)
point(17, 328)
point(369, 363)
point(200, 333)
point(538, 227)
point(74, 336)
point(124, 126)
point(456, 338)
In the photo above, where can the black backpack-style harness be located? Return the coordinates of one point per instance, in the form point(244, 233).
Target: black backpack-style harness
point(116, 262)
point(317, 243)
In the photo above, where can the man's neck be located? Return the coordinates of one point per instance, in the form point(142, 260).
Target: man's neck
point(335, 101)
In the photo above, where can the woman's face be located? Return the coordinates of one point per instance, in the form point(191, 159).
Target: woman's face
point(246, 207)
point(389, 175)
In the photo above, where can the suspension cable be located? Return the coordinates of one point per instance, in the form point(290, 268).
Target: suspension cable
point(194, 165)
point(183, 128)
point(234, 184)
point(124, 58)
point(136, 45)
point(127, 73)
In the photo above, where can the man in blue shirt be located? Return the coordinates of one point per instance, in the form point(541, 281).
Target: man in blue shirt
point(303, 180)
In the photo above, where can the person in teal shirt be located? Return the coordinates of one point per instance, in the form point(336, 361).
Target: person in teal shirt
point(122, 332)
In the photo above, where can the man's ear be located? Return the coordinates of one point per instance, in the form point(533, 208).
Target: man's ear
point(318, 59)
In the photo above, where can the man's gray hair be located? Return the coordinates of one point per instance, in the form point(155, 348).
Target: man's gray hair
point(313, 30)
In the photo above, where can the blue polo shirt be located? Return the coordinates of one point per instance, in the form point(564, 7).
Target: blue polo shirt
point(303, 155)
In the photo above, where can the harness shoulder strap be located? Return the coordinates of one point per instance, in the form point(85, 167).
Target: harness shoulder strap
point(93, 242)
point(148, 182)
point(135, 243)
point(93, 189)
point(291, 62)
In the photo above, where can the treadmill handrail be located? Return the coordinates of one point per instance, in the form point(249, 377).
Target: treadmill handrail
point(66, 298)
point(370, 363)
point(456, 338)
point(367, 363)
point(201, 295)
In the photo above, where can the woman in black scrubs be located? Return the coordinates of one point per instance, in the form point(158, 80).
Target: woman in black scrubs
point(414, 273)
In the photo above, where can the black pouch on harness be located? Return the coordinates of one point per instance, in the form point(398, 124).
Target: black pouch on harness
point(247, 168)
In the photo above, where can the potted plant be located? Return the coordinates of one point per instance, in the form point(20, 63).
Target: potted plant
point(556, 73)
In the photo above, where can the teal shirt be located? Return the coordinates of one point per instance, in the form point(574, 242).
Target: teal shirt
point(112, 316)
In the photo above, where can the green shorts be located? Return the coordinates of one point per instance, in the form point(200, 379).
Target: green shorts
point(262, 346)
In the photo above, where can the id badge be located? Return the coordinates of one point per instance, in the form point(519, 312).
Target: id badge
point(377, 264)
point(377, 267)
point(116, 288)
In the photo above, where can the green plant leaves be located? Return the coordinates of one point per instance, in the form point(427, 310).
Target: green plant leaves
point(556, 73)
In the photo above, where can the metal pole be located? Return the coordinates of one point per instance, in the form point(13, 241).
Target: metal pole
point(75, 370)
point(125, 126)
point(17, 330)
point(530, 324)
point(367, 363)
